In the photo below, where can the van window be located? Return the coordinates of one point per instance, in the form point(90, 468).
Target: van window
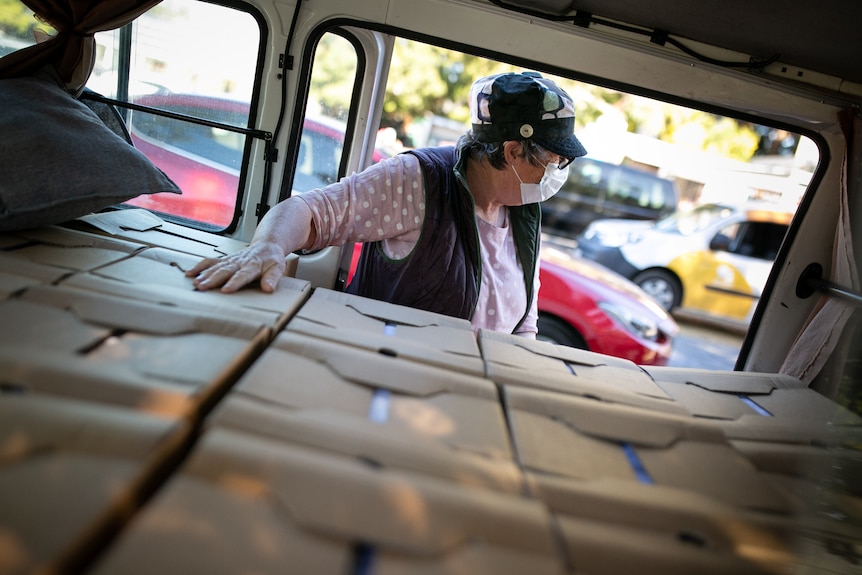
point(167, 60)
point(333, 76)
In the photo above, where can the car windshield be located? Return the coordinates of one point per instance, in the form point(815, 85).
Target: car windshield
point(691, 222)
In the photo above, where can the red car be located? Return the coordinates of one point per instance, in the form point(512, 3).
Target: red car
point(205, 162)
point(581, 304)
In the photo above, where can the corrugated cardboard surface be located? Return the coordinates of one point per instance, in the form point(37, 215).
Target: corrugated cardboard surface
point(591, 440)
point(128, 353)
point(420, 335)
point(158, 275)
point(367, 441)
point(266, 507)
point(362, 437)
point(757, 406)
point(145, 228)
point(405, 396)
point(513, 360)
point(69, 472)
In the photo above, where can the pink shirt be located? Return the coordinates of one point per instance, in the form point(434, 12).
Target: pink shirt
point(387, 203)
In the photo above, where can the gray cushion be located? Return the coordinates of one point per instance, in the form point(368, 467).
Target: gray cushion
point(59, 161)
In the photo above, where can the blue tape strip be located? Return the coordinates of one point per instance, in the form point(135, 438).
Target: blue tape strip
point(753, 405)
point(363, 559)
point(378, 410)
point(637, 465)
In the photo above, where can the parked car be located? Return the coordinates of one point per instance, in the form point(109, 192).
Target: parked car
point(585, 305)
point(205, 161)
point(599, 190)
point(712, 261)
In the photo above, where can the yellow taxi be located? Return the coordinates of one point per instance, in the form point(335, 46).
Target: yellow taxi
point(710, 262)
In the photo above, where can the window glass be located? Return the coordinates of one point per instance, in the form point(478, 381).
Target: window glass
point(18, 26)
point(179, 65)
point(322, 142)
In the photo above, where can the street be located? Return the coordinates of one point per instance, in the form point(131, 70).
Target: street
point(704, 347)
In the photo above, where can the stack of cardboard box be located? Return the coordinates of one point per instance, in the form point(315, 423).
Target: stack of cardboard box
point(151, 428)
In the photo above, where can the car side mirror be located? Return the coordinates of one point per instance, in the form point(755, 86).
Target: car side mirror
point(720, 243)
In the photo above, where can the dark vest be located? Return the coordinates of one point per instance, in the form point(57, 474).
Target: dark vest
point(443, 272)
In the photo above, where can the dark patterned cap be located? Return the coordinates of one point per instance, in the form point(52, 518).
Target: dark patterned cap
point(524, 106)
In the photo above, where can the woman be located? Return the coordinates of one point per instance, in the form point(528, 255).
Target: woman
point(453, 230)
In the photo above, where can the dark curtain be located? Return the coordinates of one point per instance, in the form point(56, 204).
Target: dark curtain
point(71, 52)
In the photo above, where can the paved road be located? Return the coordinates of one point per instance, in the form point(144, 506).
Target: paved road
point(703, 347)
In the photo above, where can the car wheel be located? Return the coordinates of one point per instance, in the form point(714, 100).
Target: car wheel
point(662, 286)
point(556, 331)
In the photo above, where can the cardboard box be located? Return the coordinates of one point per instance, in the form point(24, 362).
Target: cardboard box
point(613, 526)
point(70, 473)
point(591, 440)
point(422, 336)
point(366, 441)
point(120, 352)
point(756, 406)
point(513, 360)
point(157, 275)
point(455, 409)
point(145, 228)
point(243, 504)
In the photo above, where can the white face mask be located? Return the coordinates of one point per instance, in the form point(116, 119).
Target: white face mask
point(551, 182)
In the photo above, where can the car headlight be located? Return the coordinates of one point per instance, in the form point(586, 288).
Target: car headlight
point(638, 325)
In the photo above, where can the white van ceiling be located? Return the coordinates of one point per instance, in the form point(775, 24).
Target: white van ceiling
point(822, 36)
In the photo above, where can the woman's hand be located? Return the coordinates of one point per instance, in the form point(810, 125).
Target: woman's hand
point(264, 260)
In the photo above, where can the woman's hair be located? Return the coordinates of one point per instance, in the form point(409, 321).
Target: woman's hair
point(470, 147)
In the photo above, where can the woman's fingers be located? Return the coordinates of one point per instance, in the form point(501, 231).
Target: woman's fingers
point(264, 261)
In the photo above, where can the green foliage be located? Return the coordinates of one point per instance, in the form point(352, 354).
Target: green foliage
point(413, 93)
point(16, 19)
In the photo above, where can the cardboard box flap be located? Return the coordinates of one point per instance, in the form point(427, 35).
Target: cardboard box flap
point(658, 508)
point(142, 226)
point(166, 268)
point(381, 369)
point(371, 313)
point(33, 425)
point(602, 549)
point(415, 344)
point(787, 430)
point(800, 405)
point(69, 472)
point(412, 514)
point(512, 360)
point(271, 506)
point(466, 422)
point(25, 369)
point(493, 351)
point(22, 267)
point(46, 327)
point(612, 422)
point(12, 283)
point(59, 236)
point(117, 221)
point(289, 380)
point(140, 316)
point(624, 443)
point(749, 383)
point(177, 298)
point(366, 441)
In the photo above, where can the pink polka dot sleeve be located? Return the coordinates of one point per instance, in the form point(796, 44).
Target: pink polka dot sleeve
point(385, 201)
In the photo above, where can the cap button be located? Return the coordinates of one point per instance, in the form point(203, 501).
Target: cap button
point(526, 130)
